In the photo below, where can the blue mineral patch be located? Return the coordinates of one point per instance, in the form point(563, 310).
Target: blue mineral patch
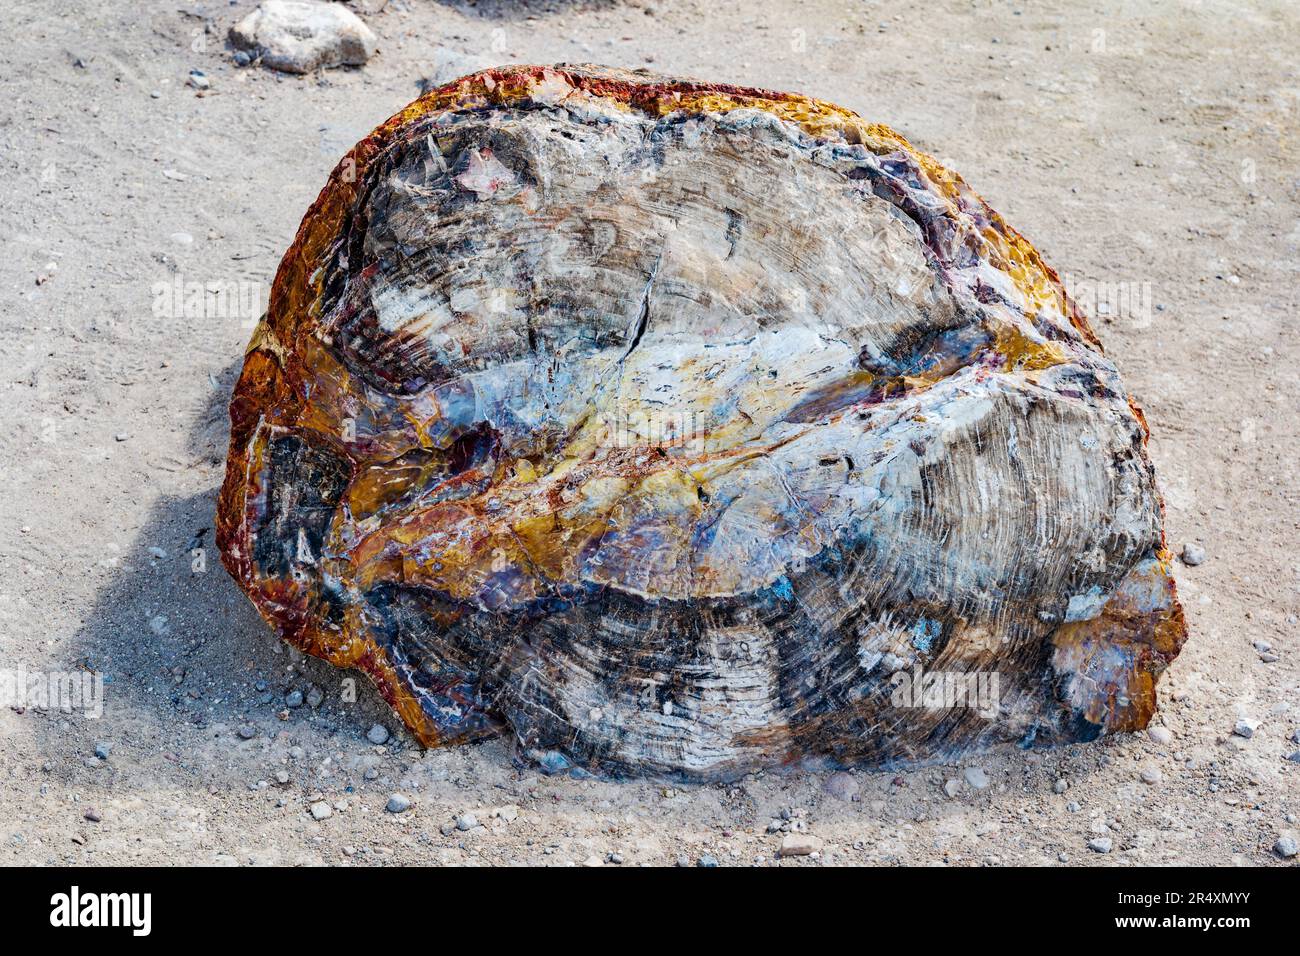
point(1086, 606)
point(783, 589)
point(924, 632)
point(549, 761)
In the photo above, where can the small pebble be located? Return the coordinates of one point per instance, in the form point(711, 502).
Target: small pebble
point(1193, 554)
point(315, 696)
point(952, 787)
point(799, 844)
point(976, 777)
point(1246, 727)
point(378, 734)
point(293, 698)
point(102, 749)
point(93, 816)
point(466, 821)
point(707, 861)
point(1061, 785)
point(1160, 735)
point(247, 732)
point(320, 810)
point(1100, 844)
point(199, 80)
point(1285, 847)
point(398, 803)
point(1151, 775)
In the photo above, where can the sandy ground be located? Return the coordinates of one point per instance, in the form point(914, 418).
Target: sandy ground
point(1150, 151)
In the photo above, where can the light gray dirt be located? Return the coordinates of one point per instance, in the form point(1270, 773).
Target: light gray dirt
point(1150, 150)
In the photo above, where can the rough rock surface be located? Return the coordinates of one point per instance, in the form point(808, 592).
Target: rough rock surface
point(298, 36)
point(687, 429)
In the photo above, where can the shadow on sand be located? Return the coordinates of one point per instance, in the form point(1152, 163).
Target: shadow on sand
point(186, 658)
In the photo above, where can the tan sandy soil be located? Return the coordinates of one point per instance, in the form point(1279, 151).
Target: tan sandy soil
point(1150, 151)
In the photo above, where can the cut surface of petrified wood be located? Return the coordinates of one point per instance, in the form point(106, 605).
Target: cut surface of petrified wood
point(686, 429)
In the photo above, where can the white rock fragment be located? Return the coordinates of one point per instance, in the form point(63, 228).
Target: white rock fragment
point(450, 64)
point(976, 777)
point(298, 36)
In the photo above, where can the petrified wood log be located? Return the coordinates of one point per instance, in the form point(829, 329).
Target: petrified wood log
point(688, 429)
